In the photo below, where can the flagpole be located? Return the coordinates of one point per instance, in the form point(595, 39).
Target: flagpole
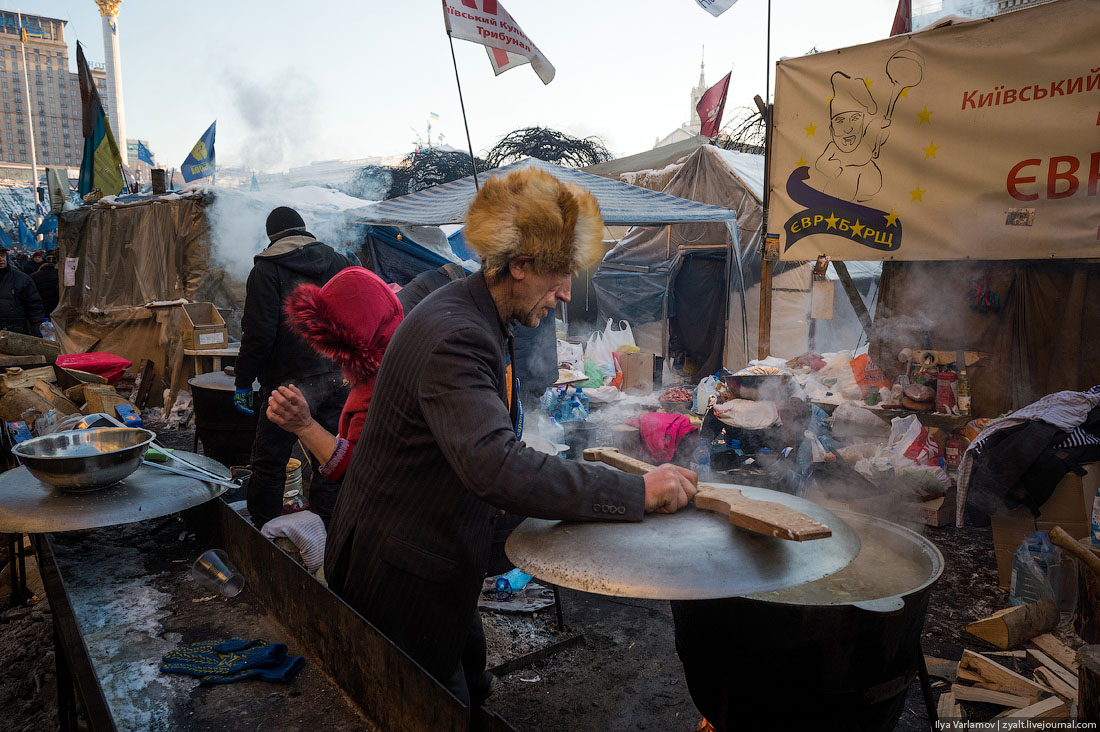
point(461, 102)
point(30, 114)
point(768, 59)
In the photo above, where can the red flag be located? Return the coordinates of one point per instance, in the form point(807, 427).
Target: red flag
point(711, 105)
point(903, 18)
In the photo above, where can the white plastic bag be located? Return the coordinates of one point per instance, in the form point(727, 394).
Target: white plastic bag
point(599, 351)
point(706, 389)
point(617, 340)
point(910, 440)
point(747, 414)
point(572, 354)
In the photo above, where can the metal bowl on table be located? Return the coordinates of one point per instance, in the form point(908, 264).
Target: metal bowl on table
point(82, 460)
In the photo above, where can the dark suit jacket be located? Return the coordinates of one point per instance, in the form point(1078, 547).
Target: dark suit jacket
point(409, 540)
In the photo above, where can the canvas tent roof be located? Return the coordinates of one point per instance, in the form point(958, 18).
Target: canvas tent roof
point(646, 168)
point(620, 203)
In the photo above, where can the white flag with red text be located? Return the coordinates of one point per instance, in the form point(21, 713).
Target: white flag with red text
point(488, 23)
point(716, 7)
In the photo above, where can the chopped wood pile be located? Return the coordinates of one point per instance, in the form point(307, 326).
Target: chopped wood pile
point(1037, 682)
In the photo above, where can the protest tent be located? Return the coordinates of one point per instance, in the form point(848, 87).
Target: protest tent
point(620, 205)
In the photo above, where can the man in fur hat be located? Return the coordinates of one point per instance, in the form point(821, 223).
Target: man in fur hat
point(274, 354)
point(439, 458)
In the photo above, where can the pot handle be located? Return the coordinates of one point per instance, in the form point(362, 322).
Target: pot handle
point(891, 604)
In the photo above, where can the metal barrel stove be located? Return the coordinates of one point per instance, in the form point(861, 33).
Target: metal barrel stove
point(835, 654)
point(225, 433)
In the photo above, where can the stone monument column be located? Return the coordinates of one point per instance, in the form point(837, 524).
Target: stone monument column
point(117, 117)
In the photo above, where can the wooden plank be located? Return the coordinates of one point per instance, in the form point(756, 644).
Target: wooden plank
point(1088, 691)
point(1044, 660)
point(1000, 678)
point(942, 667)
point(1056, 684)
point(1057, 650)
point(55, 396)
point(947, 707)
point(963, 674)
point(1014, 625)
point(988, 696)
point(6, 361)
point(144, 383)
point(101, 398)
point(764, 517)
point(1052, 708)
point(17, 378)
point(1006, 654)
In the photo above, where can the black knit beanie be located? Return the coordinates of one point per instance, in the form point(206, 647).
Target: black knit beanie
point(282, 219)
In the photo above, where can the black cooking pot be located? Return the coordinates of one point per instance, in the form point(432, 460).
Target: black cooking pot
point(835, 654)
point(225, 433)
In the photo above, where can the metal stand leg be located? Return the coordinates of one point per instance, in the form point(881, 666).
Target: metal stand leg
point(557, 607)
point(17, 568)
point(66, 694)
point(926, 689)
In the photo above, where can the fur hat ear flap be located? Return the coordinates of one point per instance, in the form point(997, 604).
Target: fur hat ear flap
point(531, 213)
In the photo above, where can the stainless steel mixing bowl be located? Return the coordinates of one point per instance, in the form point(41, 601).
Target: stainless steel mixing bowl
point(83, 460)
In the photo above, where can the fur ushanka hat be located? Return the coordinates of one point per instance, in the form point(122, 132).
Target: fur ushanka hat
point(350, 320)
point(531, 213)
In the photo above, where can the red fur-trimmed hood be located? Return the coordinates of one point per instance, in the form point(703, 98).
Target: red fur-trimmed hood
point(350, 320)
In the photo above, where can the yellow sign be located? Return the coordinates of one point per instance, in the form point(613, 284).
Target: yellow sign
point(980, 141)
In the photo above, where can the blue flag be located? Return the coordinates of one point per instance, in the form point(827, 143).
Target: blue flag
point(144, 155)
point(26, 239)
point(200, 163)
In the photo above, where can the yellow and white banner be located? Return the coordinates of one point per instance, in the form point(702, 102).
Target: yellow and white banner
point(975, 141)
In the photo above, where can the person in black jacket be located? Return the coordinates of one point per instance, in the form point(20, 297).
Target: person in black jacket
point(31, 265)
point(20, 306)
point(274, 354)
point(45, 281)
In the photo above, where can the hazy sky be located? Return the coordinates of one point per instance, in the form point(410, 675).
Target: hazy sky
point(293, 82)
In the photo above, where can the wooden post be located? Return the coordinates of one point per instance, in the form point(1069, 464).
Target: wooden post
point(1088, 683)
point(764, 340)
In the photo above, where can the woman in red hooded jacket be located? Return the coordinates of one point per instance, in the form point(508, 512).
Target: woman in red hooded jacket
point(349, 320)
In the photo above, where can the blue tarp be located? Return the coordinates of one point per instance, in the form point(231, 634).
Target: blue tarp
point(620, 204)
point(397, 259)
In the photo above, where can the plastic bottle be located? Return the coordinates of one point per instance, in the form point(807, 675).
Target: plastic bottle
point(700, 459)
point(1035, 570)
point(963, 389)
point(579, 412)
point(1095, 533)
point(47, 330)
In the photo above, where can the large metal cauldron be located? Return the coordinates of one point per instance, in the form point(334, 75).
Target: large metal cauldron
point(835, 654)
point(225, 433)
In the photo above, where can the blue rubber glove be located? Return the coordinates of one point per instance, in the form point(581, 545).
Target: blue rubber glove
point(242, 400)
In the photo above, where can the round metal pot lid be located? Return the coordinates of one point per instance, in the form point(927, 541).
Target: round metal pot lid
point(219, 381)
point(28, 505)
point(689, 555)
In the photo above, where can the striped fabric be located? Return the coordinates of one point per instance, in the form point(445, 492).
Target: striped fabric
point(1079, 437)
point(306, 530)
point(621, 204)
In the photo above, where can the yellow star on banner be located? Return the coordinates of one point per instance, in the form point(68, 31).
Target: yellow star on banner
point(925, 115)
point(801, 163)
point(868, 83)
point(810, 130)
point(891, 218)
point(917, 193)
point(930, 151)
point(831, 221)
point(857, 228)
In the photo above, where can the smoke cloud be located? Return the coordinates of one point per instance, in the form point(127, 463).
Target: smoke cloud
point(278, 119)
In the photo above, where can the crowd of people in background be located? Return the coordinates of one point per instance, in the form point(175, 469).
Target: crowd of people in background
point(28, 289)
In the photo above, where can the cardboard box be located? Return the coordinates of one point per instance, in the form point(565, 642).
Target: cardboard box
point(637, 372)
point(1070, 506)
point(203, 327)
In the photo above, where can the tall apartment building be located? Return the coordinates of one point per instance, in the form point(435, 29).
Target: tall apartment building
point(54, 98)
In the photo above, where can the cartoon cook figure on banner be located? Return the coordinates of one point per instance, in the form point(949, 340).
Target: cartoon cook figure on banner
point(847, 174)
point(859, 132)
